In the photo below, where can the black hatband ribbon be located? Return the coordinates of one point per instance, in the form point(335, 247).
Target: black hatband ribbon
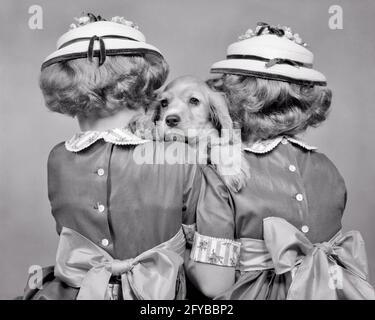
point(271, 62)
point(112, 36)
point(90, 50)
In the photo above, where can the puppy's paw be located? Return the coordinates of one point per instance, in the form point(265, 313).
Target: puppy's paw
point(236, 182)
point(235, 178)
point(231, 165)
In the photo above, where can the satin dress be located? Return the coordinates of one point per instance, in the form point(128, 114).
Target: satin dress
point(288, 224)
point(124, 213)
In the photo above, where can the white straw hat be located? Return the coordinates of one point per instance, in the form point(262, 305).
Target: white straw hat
point(96, 37)
point(271, 53)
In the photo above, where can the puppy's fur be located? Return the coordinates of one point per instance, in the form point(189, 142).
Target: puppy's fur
point(188, 109)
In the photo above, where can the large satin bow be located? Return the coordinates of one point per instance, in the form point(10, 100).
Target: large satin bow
point(331, 270)
point(80, 263)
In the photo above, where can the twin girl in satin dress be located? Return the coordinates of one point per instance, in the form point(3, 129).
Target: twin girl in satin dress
point(142, 231)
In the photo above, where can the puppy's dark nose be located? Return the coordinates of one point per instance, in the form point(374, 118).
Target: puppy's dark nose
point(172, 120)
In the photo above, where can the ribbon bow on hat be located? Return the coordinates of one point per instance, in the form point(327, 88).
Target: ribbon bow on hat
point(274, 61)
point(80, 263)
point(271, 29)
point(102, 51)
point(330, 270)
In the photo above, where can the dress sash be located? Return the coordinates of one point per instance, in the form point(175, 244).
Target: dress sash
point(336, 269)
point(254, 255)
point(82, 264)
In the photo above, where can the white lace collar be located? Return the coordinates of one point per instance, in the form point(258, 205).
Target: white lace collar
point(118, 136)
point(265, 146)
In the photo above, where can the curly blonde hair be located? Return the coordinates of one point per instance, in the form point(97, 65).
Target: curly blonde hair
point(81, 88)
point(265, 109)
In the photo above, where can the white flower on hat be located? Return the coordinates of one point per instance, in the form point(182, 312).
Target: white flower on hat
point(289, 35)
point(89, 18)
point(288, 32)
point(282, 31)
point(287, 29)
point(82, 20)
point(248, 34)
point(297, 38)
point(125, 22)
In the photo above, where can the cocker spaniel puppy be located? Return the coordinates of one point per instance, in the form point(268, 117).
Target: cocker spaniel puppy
point(188, 110)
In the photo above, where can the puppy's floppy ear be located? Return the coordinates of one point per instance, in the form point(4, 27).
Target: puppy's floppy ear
point(143, 124)
point(219, 111)
point(157, 109)
point(156, 114)
point(234, 173)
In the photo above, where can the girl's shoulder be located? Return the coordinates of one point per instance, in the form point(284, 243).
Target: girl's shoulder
point(56, 151)
point(311, 161)
point(322, 175)
point(320, 162)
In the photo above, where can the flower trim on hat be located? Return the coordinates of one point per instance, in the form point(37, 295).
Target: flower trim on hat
point(281, 31)
point(90, 18)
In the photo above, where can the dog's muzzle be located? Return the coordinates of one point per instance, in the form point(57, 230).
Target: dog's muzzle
point(172, 120)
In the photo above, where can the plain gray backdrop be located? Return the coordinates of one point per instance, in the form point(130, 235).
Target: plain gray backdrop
point(192, 34)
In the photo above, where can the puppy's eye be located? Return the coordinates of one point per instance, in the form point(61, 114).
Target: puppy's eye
point(164, 103)
point(194, 101)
